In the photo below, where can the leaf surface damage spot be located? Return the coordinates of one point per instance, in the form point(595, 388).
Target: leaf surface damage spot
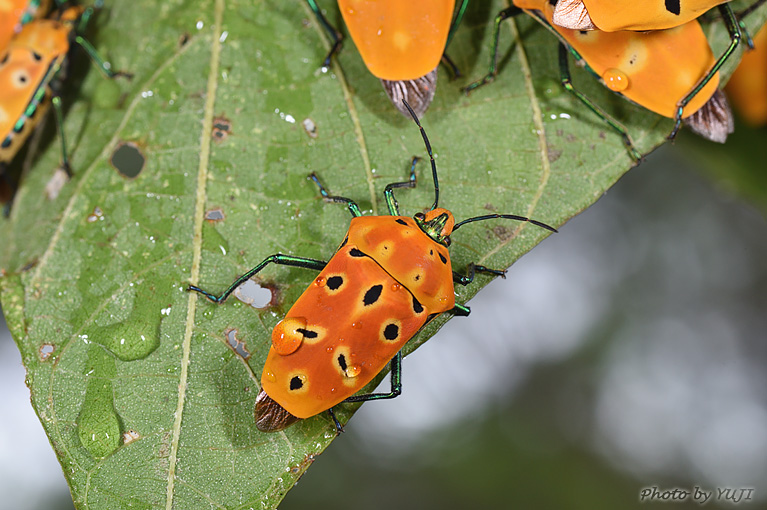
point(128, 159)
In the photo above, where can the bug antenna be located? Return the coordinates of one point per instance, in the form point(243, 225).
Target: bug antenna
point(431, 156)
point(507, 217)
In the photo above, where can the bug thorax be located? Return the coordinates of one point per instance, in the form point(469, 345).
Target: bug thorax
point(437, 224)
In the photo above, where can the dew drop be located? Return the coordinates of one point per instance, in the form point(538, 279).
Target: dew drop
point(286, 338)
point(615, 80)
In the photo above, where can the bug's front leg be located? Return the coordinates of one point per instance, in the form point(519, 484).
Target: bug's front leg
point(285, 260)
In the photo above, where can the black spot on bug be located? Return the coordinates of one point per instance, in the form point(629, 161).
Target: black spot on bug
point(372, 295)
point(37, 56)
point(583, 32)
point(308, 333)
point(346, 240)
point(391, 332)
point(402, 222)
point(417, 307)
point(342, 362)
point(354, 252)
point(673, 7)
point(296, 383)
point(334, 282)
point(417, 277)
point(442, 258)
point(431, 252)
point(4, 59)
point(128, 159)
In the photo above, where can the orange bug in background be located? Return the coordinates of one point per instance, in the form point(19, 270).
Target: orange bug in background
point(29, 77)
point(644, 67)
point(616, 15)
point(747, 88)
point(400, 41)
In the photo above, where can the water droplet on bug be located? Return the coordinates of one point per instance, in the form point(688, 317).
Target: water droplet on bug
point(615, 80)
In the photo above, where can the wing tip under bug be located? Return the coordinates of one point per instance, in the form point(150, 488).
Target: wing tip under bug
point(419, 93)
point(572, 14)
point(271, 416)
point(714, 120)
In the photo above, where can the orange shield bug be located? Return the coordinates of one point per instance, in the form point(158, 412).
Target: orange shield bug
point(644, 67)
point(400, 41)
point(615, 15)
point(29, 72)
point(747, 88)
point(389, 277)
point(15, 13)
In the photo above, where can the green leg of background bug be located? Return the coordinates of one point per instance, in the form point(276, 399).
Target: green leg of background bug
point(285, 260)
point(351, 204)
point(334, 34)
point(564, 71)
point(493, 71)
point(56, 101)
point(446, 60)
point(733, 28)
point(103, 66)
point(391, 201)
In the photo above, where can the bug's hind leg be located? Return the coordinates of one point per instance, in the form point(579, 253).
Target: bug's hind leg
point(354, 209)
point(493, 70)
point(396, 383)
point(567, 83)
point(334, 34)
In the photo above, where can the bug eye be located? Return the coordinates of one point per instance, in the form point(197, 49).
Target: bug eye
point(420, 216)
point(20, 78)
point(447, 242)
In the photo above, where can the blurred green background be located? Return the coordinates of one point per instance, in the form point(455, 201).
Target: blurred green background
point(626, 352)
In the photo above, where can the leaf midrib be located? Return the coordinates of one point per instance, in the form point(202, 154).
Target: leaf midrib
point(199, 214)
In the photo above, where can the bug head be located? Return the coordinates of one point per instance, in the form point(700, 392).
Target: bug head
point(437, 224)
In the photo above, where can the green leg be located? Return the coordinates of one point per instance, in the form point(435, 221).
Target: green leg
point(56, 101)
point(339, 427)
point(448, 62)
point(564, 70)
point(391, 201)
point(396, 383)
point(472, 269)
point(395, 374)
point(453, 27)
point(461, 310)
point(334, 34)
point(353, 207)
point(733, 27)
point(285, 260)
point(493, 70)
point(103, 66)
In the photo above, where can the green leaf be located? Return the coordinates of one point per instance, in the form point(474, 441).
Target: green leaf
point(136, 382)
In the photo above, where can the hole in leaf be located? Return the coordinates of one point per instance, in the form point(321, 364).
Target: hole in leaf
point(128, 160)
